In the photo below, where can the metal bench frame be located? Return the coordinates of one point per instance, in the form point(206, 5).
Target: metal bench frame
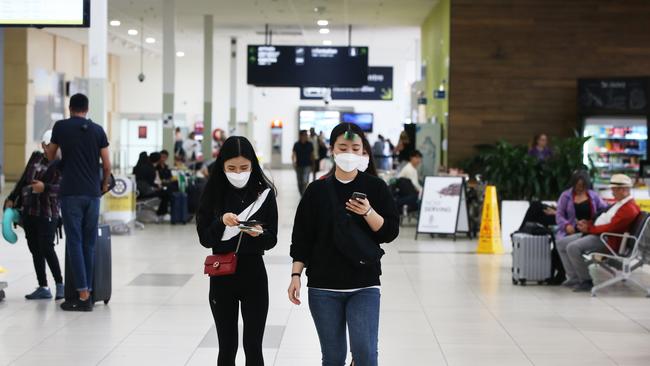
point(623, 263)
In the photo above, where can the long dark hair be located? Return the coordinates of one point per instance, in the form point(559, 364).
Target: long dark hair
point(217, 186)
point(581, 175)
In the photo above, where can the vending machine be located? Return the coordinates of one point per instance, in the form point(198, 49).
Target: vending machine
point(614, 113)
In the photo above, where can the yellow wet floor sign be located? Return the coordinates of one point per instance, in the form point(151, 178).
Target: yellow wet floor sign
point(489, 240)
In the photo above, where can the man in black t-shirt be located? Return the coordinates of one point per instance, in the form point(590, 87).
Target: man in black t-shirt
point(303, 160)
point(82, 144)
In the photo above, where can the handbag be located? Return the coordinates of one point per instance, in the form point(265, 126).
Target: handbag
point(222, 264)
point(356, 245)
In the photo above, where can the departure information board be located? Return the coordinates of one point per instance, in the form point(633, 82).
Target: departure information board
point(297, 66)
point(45, 13)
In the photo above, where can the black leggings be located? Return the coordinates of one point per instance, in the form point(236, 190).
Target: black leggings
point(249, 286)
point(40, 233)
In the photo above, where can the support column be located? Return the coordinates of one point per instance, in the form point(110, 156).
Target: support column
point(232, 122)
point(208, 52)
point(2, 108)
point(169, 73)
point(97, 65)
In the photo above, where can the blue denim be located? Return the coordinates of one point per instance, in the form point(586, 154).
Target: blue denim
point(359, 310)
point(80, 219)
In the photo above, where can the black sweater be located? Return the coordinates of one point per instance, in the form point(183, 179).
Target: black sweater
point(312, 239)
point(211, 229)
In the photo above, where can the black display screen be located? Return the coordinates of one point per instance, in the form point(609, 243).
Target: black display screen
point(297, 66)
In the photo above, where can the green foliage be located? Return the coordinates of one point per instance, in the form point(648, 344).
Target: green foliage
point(519, 176)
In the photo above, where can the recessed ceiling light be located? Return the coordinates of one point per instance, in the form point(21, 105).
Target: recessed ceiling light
point(324, 31)
point(323, 23)
point(115, 23)
point(133, 32)
point(180, 54)
point(150, 40)
point(327, 42)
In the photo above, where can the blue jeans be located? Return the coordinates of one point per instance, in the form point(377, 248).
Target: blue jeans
point(359, 310)
point(80, 220)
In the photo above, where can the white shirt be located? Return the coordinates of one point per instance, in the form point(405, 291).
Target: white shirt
point(606, 217)
point(411, 173)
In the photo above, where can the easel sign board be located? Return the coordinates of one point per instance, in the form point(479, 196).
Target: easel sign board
point(441, 206)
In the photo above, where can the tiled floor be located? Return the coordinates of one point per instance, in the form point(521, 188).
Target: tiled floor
point(441, 305)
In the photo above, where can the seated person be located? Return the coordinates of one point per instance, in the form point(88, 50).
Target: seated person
point(410, 172)
point(576, 204)
point(162, 168)
point(146, 176)
point(618, 219)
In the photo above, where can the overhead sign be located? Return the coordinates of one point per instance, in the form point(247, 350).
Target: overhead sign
point(444, 207)
point(378, 87)
point(298, 66)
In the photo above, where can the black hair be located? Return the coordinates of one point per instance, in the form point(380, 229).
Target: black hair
point(415, 153)
point(154, 157)
point(218, 186)
point(79, 103)
point(347, 129)
point(143, 158)
point(372, 168)
point(580, 175)
point(164, 152)
point(303, 133)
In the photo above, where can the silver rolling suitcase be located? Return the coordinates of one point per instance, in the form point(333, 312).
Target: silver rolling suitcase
point(531, 258)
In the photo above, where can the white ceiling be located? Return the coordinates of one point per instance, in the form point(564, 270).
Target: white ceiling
point(292, 21)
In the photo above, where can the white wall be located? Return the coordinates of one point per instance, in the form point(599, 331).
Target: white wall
point(388, 47)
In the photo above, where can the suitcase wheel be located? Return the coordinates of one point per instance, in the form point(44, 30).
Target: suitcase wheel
point(2, 295)
point(106, 301)
point(541, 282)
point(522, 282)
point(514, 282)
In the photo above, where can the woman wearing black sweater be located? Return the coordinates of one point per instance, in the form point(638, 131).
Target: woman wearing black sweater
point(238, 190)
point(344, 290)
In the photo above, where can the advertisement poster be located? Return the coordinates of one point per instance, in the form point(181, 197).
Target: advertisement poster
point(440, 206)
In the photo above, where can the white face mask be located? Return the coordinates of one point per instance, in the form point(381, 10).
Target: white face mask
point(347, 162)
point(238, 180)
point(363, 163)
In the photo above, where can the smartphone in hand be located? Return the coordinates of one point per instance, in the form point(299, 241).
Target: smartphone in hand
point(250, 229)
point(359, 196)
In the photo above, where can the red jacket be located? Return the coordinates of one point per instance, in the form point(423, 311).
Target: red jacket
point(621, 223)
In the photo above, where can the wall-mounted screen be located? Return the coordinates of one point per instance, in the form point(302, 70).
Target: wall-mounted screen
point(45, 13)
point(297, 66)
point(320, 120)
point(363, 120)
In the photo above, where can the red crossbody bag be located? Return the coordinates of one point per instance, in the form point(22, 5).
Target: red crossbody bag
point(222, 264)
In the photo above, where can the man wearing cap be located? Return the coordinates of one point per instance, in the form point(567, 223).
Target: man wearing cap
point(37, 192)
point(617, 219)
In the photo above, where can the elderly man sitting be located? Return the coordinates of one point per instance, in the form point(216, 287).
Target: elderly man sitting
point(617, 219)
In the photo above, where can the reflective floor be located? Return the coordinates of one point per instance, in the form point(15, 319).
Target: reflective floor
point(441, 305)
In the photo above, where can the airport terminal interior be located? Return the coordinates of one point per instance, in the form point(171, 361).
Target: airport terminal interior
point(509, 138)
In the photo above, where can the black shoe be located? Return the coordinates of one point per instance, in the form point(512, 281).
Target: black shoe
point(584, 286)
point(77, 305)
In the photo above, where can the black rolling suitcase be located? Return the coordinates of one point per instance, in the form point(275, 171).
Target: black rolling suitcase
point(102, 282)
point(180, 213)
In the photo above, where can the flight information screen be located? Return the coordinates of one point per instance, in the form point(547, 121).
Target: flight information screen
point(297, 66)
point(45, 13)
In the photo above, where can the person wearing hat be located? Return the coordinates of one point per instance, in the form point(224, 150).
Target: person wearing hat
point(617, 219)
point(37, 193)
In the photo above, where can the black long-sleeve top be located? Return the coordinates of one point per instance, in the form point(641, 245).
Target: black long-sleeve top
point(312, 239)
point(211, 228)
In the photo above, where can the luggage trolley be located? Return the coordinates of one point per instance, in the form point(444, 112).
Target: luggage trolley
point(120, 206)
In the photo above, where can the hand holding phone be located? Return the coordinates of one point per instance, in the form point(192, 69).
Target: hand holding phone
point(359, 196)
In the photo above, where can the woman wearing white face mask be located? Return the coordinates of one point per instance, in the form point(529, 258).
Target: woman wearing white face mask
point(366, 162)
point(237, 193)
point(339, 246)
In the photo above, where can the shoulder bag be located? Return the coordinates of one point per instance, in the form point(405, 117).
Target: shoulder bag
point(352, 241)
